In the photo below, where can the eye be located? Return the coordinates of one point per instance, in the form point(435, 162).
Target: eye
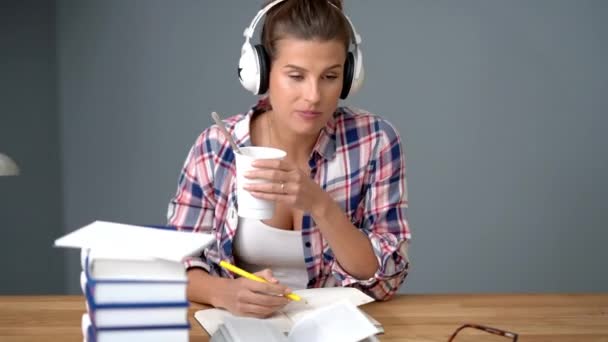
point(296, 77)
point(331, 77)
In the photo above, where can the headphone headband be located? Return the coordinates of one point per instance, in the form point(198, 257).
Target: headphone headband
point(254, 63)
point(248, 33)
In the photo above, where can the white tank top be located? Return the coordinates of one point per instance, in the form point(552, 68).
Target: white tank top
point(258, 246)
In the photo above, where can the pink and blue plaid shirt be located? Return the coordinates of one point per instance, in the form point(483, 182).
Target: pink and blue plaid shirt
point(358, 159)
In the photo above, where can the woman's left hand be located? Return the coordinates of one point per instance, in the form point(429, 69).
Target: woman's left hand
point(286, 183)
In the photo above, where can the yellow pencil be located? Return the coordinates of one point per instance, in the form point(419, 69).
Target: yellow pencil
point(254, 277)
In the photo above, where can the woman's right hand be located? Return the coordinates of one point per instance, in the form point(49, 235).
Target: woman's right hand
point(244, 297)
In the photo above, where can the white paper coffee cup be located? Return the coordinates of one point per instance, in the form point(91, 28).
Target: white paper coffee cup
point(249, 206)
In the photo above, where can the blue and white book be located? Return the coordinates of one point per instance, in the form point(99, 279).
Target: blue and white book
point(136, 314)
point(133, 291)
point(110, 264)
point(175, 333)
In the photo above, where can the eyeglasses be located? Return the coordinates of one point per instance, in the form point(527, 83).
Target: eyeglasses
point(486, 329)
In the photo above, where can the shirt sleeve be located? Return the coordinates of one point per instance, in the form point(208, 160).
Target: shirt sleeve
point(192, 206)
point(384, 219)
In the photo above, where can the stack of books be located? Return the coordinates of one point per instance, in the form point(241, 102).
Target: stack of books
point(134, 281)
point(131, 298)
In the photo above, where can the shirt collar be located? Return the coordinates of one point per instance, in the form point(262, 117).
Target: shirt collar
point(325, 145)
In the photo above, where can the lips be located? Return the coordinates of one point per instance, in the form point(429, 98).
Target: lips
point(308, 114)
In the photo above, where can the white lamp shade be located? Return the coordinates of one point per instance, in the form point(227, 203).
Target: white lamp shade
point(7, 166)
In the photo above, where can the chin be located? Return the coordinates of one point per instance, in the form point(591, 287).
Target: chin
point(305, 130)
point(307, 126)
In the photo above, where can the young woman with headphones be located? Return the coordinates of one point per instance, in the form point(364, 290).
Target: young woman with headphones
point(340, 194)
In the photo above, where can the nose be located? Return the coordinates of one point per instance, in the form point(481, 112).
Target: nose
point(312, 93)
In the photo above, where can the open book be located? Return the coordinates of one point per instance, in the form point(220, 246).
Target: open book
point(339, 322)
point(285, 319)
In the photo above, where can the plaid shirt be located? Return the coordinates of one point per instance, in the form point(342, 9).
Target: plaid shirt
point(358, 159)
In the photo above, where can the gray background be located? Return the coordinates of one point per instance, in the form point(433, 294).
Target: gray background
point(501, 105)
point(31, 204)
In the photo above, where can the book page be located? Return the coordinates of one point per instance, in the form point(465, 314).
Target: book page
point(341, 321)
point(245, 329)
point(211, 319)
point(321, 297)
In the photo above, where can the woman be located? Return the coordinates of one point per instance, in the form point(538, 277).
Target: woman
point(340, 193)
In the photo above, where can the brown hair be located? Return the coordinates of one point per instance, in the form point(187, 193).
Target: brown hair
point(304, 19)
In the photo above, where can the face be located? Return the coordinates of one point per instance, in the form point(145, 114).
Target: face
point(305, 83)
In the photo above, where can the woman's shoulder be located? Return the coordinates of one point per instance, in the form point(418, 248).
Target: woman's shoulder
point(212, 140)
point(354, 120)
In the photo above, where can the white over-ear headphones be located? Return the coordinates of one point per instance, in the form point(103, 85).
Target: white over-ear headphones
point(254, 64)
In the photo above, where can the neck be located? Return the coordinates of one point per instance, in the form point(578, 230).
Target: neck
point(298, 147)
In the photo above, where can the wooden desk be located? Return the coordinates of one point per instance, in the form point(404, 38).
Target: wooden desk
point(406, 317)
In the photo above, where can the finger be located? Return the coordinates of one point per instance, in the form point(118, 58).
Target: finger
point(265, 300)
point(258, 311)
point(272, 164)
point(268, 288)
point(267, 274)
point(273, 175)
point(269, 188)
point(284, 198)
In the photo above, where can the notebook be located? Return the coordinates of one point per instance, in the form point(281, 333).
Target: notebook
point(284, 320)
point(126, 239)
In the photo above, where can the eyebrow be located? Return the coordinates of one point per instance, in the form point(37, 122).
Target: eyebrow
point(302, 69)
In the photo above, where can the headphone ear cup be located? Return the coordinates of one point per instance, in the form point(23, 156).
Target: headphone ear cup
point(349, 70)
point(358, 73)
point(248, 70)
point(264, 67)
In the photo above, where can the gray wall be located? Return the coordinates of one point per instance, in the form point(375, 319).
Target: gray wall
point(500, 103)
point(30, 205)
